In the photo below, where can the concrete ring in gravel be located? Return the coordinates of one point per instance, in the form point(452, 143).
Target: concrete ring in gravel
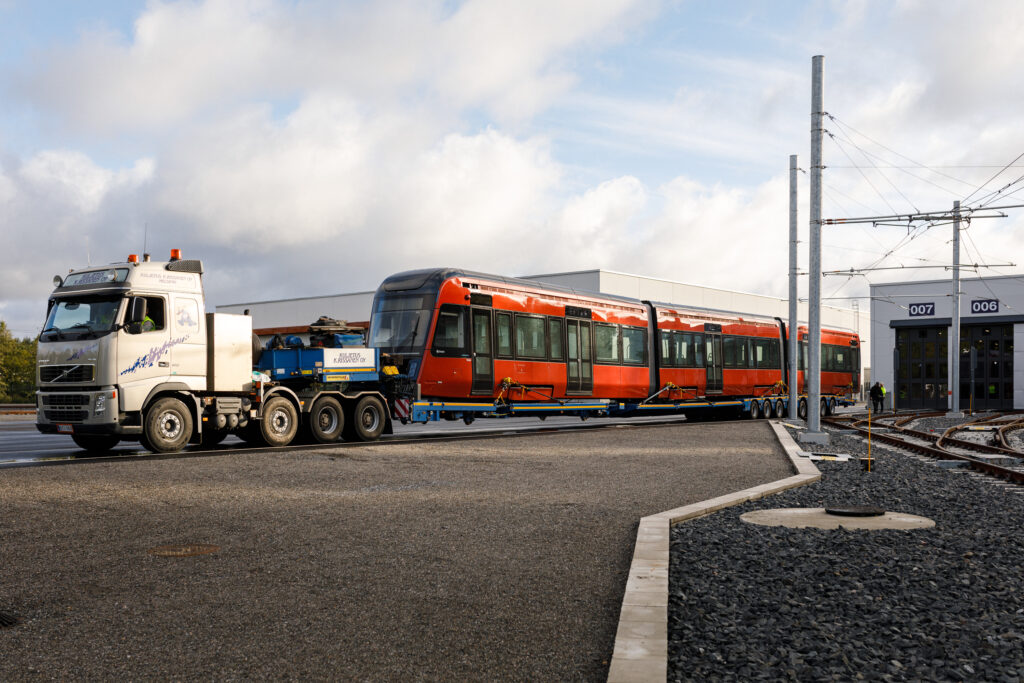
point(817, 518)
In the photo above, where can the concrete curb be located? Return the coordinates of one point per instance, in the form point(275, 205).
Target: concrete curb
point(641, 642)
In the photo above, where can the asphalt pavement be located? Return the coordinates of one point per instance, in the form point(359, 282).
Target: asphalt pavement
point(493, 559)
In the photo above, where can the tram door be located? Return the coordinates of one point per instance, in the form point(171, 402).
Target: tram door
point(483, 355)
point(579, 360)
point(713, 359)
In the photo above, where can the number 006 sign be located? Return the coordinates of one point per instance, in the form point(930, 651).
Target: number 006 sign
point(985, 306)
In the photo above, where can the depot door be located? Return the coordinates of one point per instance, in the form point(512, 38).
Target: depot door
point(713, 362)
point(579, 361)
point(483, 356)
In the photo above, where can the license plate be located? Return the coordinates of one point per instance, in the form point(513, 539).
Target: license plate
point(65, 429)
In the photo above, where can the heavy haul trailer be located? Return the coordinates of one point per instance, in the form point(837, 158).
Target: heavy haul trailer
point(128, 353)
point(766, 406)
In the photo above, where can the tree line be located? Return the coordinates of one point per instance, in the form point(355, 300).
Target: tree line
point(17, 368)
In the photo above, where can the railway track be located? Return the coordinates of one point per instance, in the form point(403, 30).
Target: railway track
point(944, 446)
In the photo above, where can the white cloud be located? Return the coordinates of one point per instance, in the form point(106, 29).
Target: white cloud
point(188, 58)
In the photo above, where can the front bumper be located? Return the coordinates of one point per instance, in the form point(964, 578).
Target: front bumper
point(82, 412)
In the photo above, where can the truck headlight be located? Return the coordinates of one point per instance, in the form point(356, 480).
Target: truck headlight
point(101, 404)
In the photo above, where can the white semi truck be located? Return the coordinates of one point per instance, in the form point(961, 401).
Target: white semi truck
point(129, 353)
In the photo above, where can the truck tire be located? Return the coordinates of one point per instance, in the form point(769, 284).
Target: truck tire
point(801, 409)
point(96, 443)
point(326, 420)
point(755, 410)
point(280, 422)
point(168, 426)
point(368, 419)
point(780, 408)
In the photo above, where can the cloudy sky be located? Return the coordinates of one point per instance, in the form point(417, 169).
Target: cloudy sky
point(302, 148)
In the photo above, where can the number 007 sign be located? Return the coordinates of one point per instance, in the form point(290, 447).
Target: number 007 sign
point(922, 309)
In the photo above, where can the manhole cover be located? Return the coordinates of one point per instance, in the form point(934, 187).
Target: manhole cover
point(856, 511)
point(183, 550)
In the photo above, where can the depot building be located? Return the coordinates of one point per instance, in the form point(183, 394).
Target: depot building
point(293, 316)
point(912, 355)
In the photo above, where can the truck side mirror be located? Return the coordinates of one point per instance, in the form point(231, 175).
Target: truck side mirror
point(136, 314)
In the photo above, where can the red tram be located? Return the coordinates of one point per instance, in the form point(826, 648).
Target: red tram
point(472, 336)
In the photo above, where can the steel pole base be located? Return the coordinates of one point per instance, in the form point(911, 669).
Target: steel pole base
point(814, 437)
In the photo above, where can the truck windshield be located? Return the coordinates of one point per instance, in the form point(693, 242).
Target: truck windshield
point(400, 323)
point(81, 318)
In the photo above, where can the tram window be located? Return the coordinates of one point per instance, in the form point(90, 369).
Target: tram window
point(450, 334)
point(555, 337)
point(503, 334)
point(606, 342)
point(729, 353)
point(698, 347)
point(530, 338)
point(668, 341)
point(841, 359)
point(634, 346)
point(684, 350)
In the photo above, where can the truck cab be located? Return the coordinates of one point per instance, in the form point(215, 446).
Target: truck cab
point(119, 336)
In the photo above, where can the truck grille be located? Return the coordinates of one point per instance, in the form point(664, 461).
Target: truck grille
point(65, 407)
point(66, 373)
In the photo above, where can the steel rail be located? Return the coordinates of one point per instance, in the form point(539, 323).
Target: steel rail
point(1014, 476)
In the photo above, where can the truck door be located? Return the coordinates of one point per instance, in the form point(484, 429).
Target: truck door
point(579, 360)
point(482, 352)
point(144, 359)
point(713, 358)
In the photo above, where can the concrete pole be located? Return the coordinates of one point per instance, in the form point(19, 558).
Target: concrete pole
point(954, 335)
point(794, 348)
point(814, 433)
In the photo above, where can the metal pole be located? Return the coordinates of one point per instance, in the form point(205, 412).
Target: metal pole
point(954, 336)
point(792, 341)
point(814, 433)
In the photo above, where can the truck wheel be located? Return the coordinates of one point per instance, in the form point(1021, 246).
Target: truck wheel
point(801, 409)
point(168, 426)
point(326, 420)
point(279, 423)
point(368, 422)
point(766, 409)
point(755, 410)
point(831, 406)
point(96, 443)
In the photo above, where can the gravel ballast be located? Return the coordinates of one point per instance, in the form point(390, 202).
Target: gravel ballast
point(750, 602)
point(492, 559)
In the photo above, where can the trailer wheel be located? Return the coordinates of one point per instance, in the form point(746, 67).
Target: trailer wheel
point(755, 410)
point(326, 420)
point(168, 426)
point(780, 408)
point(831, 406)
point(823, 408)
point(767, 409)
point(279, 423)
point(96, 443)
point(368, 422)
point(801, 409)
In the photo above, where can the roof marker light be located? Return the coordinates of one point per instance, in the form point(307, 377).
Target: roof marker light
point(175, 254)
point(133, 258)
